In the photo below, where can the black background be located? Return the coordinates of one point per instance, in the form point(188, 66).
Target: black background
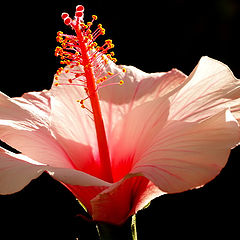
point(153, 36)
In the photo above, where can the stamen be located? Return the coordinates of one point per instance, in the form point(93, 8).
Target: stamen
point(70, 51)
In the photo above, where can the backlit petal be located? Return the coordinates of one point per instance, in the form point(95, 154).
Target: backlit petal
point(73, 127)
point(188, 155)
point(123, 199)
point(24, 125)
point(17, 170)
point(134, 133)
point(210, 88)
point(139, 87)
point(74, 177)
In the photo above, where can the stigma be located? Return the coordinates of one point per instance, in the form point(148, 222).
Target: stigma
point(84, 58)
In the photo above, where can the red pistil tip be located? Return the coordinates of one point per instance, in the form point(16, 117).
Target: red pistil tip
point(79, 8)
point(79, 14)
point(67, 20)
point(64, 15)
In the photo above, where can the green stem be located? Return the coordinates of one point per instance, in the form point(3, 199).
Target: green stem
point(126, 231)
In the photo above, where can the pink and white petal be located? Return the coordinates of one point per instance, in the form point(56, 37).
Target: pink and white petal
point(209, 89)
point(85, 194)
point(17, 171)
point(75, 177)
point(123, 199)
point(24, 125)
point(139, 87)
point(188, 155)
point(134, 133)
point(72, 125)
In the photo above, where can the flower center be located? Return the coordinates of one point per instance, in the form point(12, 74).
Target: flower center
point(87, 63)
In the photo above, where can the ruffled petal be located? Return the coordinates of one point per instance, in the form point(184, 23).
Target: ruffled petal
point(24, 125)
point(209, 89)
point(139, 87)
point(123, 199)
point(187, 155)
point(17, 170)
point(73, 127)
point(75, 177)
point(134, 133)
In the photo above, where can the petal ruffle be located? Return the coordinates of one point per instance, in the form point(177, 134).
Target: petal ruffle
point(188, 155)
point(73, 127)
point(138, 88)
point(209, 89)
point(24, 125)
point(134, 133)
point(123, 199)
point(17, 170)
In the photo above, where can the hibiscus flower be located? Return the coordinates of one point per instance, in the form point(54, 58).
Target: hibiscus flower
point(156, 133)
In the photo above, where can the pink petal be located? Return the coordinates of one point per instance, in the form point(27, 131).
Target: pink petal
point(24, 125)
point(123, 199)
point(139, 87)
point(188, 155)
point(210, 88)
point(17, 170)
point(134, 133)
point(75, 177)
point(74, 128)
point(85, 194)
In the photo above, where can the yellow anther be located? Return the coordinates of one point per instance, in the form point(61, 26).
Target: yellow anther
point(108, 41)
point(110, 73)
point(103, 31)
point(112, 54)
point(94, 17)
point(121, 82)
point(59, 39)
point(90, 36)
point(124, 70)
point(89, 24)
point(56, 84)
